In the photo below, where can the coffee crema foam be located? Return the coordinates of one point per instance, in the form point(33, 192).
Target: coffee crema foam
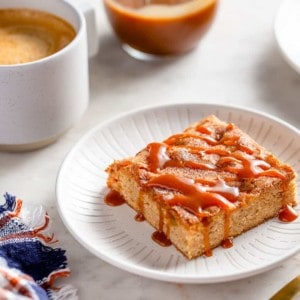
point(27, 35)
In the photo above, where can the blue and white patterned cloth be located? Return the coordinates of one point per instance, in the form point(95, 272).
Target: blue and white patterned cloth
point(28, 264)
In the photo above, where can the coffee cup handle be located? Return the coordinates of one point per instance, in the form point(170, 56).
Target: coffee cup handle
point(90, 14)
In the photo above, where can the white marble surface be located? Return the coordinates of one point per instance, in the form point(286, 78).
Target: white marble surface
point(238, 62)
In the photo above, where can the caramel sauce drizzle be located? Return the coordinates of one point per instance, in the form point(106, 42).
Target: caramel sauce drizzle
point(227, 240)
point(193, 196)
point(161, 219)
point(203, 129)
point(158, 156)
point(196, 196)
point(189, 164)
point(206, 242)
point(174, 139)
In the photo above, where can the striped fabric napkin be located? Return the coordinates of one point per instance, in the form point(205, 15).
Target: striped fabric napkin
point(29, 265)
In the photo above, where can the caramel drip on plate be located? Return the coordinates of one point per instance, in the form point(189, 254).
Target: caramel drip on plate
point(287, 214)
point(160, 238)
point(139, 217)
point(227, 243)
point(113, 198)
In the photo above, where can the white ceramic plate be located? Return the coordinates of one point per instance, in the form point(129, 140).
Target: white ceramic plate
point(287, 28)
point(112, 234)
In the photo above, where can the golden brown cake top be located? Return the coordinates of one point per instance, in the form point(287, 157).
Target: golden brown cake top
point(210, 165)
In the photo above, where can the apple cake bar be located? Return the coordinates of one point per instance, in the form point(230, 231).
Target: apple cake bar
point(205, 185)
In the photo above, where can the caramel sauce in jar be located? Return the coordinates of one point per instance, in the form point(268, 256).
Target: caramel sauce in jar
point(160, 27)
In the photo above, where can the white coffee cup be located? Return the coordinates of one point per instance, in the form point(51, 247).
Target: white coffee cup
point(42, 99)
